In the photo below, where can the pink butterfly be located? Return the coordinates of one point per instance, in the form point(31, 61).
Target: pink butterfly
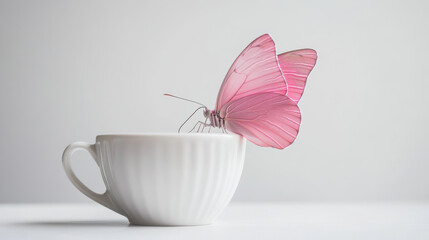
point(259, 95)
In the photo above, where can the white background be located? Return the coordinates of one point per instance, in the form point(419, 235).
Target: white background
point(70, 70)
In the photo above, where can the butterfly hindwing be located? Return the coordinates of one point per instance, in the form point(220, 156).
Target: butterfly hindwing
point(296, 66)
point(266, 119)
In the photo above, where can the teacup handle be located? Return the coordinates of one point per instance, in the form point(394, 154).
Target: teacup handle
point(102, 199)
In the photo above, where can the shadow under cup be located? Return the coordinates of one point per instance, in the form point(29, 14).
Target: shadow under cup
point(164, 179)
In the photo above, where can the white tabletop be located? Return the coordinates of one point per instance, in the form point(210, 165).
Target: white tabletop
point(239, 221)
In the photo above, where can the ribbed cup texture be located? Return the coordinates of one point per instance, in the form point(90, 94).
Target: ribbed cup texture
point(173, 179)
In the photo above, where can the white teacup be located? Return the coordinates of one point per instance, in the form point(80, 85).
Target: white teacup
point(164, 179)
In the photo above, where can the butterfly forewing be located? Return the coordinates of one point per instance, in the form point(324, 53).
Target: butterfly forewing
point(256, 70)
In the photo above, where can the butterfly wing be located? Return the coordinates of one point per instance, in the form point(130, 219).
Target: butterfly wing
point(266, 119)
point(256, 70)
point(296, 65)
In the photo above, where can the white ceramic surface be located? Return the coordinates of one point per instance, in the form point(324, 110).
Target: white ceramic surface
point(164, 179)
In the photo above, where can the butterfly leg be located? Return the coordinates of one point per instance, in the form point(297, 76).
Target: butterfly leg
point(225, 130)
point(205, 125)
point(194, 127)
point(199, 126)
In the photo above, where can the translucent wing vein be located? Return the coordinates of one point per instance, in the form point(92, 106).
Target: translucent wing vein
point(266, 119)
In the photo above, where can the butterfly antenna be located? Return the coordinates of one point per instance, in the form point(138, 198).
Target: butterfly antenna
point(166, 94)
point(190, 117)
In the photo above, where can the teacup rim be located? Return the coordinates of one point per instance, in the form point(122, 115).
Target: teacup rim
point(184, 135)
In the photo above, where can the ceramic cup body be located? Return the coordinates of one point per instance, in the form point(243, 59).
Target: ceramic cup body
point(164, 179)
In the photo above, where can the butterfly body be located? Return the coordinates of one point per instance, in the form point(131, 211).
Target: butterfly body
point(215, 119)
